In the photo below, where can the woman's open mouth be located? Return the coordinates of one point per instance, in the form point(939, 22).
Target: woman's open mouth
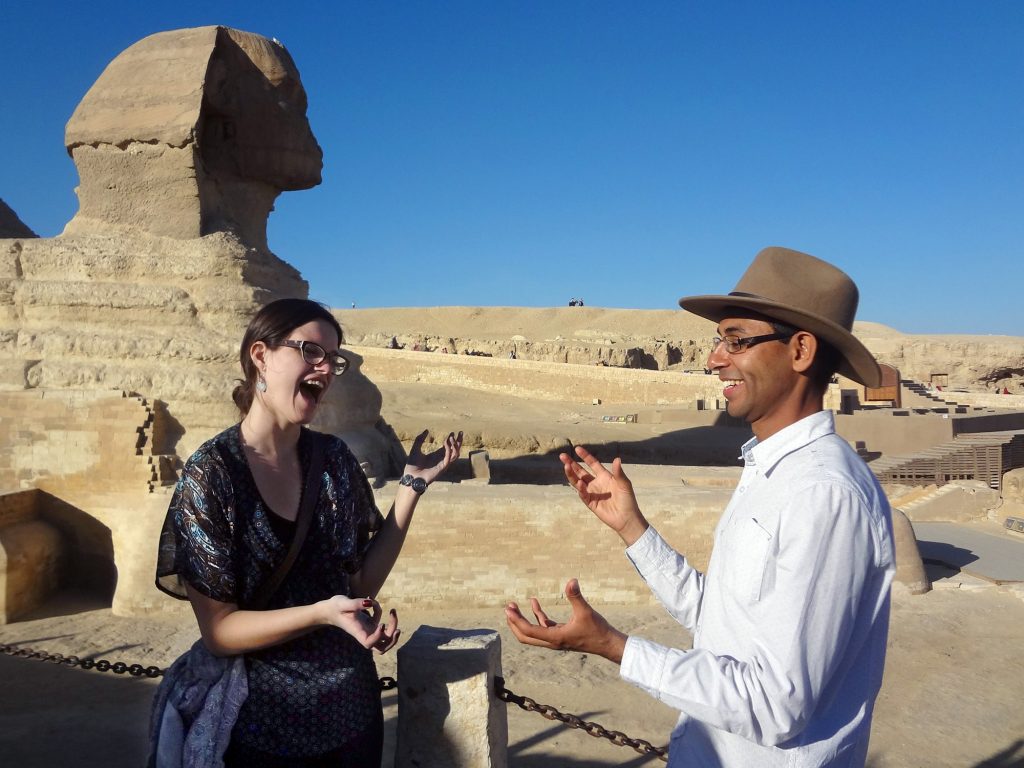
point(313, 389)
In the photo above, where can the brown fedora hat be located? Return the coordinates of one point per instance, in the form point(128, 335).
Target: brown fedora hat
point(802, 291)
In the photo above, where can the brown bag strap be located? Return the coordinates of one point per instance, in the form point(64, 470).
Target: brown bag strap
point(310, 492)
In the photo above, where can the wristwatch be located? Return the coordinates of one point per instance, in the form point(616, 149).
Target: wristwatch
point(418, 484)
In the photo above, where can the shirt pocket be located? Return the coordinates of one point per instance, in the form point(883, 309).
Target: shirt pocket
point(749, 547)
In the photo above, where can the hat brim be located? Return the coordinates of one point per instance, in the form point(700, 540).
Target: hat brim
point(856, 361)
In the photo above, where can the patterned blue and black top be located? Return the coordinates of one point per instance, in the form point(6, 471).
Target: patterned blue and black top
point(312, 694)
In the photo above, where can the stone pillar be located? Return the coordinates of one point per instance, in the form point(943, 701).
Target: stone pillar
point(480, 462)
point(448, 713)
point(910, 569)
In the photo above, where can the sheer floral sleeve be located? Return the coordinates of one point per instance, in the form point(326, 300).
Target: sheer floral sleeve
point(197, 543)
point(350, 497)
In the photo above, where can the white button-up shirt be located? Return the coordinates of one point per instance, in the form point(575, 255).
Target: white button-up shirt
point(790, 622)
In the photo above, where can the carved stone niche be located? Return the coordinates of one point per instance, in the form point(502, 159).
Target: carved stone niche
point(191, 132)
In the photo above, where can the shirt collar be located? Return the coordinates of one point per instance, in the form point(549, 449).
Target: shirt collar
point(765, 455)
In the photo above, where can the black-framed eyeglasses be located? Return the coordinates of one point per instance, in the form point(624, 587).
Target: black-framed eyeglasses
point(736, 344)
point(314, 354)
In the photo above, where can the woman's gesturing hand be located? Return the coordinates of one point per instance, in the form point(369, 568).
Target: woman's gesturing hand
point(429, 466)
point(360, 617)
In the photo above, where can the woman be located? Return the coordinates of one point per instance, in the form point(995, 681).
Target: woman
point(314, 697)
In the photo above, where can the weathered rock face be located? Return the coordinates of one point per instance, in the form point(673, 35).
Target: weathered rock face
point(974, 362)
point(146, 314)
point(191, 132)
point(660, 339)
point(182, 145)
point(650, 354)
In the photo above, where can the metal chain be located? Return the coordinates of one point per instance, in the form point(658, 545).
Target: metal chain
point(117, 667)
point(386, 684)
point(594, 729)
point(100, 665)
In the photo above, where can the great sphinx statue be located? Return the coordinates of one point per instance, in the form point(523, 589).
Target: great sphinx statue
point(182, 146)
point(189, 133)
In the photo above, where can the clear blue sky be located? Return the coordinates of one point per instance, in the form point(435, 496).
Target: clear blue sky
point(524, 153)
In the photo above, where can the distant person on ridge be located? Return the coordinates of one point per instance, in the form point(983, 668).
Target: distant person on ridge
point(790, 621)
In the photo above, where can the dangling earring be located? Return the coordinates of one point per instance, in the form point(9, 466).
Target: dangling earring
point(261, 383)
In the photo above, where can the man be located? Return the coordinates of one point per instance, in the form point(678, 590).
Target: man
point(789, 623)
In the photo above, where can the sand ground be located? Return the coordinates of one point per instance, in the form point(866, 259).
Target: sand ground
point(951, 697)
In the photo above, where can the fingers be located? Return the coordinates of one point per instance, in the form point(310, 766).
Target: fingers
point(452, 448)
point(619, 474)
point(576, 474)
point(373, 638)
point(372, 609)
point(542, 618)
point(525, 632)
point(575, 596)
point(390, 633)
point(590, 460)
point(438, 460)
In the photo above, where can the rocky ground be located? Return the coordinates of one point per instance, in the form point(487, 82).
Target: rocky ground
point(951, 696)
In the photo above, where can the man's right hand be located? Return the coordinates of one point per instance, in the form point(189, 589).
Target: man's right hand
point(586, 630)
point(607, 493)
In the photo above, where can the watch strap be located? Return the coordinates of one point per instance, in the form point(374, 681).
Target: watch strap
point(418, 484)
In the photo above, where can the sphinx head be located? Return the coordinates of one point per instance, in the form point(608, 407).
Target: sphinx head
point(190, 132)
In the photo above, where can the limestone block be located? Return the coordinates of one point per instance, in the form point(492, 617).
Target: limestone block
point(448, 713)
point(1013, 486)
point(30, 566)
point(480, 462)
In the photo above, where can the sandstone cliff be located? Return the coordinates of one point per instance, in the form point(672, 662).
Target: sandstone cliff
point(660, 339)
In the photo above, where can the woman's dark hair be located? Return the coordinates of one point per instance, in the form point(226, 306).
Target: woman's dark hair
point(826, 359)
point(272, 325)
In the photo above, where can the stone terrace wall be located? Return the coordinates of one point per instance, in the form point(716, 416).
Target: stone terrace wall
point(91, 455)
point(481, 546)
point(68, 438)
point(540, 380)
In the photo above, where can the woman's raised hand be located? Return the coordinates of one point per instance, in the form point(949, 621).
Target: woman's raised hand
point(429, 466)
point(360, 617)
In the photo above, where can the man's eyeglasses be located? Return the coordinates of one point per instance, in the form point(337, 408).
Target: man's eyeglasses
point(735, 344)
point(314, 354)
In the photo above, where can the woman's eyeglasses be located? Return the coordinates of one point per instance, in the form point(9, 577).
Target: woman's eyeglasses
point(314, 354)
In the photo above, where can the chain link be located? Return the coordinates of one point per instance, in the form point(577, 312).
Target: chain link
point(100, 665)
point(117, 667)
point(386, 684)
point(594, 729)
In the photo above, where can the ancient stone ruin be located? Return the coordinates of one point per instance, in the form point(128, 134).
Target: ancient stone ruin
point(119, 342)
point(192, 132)
point(136, 310)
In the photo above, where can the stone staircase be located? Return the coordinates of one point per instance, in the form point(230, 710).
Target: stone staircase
point(909, 503)
point(983, 456)
point(916, 395)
